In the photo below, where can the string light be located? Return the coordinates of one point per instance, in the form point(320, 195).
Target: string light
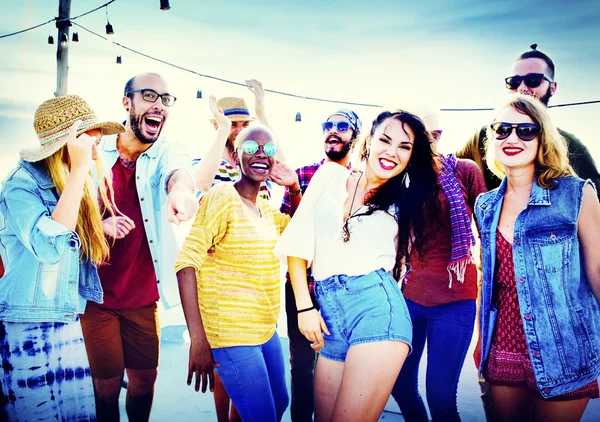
point(119, 60)
point(164, 5)
point(199, 94)
point(109, 28)
point(298, 117)
point(64, 41)
point(110, 31)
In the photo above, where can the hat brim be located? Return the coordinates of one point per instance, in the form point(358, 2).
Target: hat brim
point(33, 155)
point(237, 118)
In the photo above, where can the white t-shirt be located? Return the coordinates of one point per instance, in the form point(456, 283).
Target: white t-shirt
point(315, 231)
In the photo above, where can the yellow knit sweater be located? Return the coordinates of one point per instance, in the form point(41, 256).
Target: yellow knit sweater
point(238, 277)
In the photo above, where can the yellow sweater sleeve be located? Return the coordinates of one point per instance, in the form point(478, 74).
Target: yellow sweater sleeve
point(209, 227)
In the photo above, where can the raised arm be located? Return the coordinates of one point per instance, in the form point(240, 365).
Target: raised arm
point(257, 89)
point(204, 172)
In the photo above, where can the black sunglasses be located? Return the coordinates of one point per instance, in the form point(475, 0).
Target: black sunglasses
point(151, 95)
point(532, 80)
point(525, 131)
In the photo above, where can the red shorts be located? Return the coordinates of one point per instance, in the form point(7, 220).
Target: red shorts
point(116, 339)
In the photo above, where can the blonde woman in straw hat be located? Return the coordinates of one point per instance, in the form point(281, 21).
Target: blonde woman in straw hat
point(51, 241)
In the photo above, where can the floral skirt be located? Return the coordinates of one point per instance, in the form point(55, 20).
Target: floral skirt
point(45, 374)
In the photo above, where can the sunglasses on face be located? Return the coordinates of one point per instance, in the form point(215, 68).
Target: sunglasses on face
point(525, 131)
point(532, 80)
point(341, 127)
point(251, 148)
point(151, 95)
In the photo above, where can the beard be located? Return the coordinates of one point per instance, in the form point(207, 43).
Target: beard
point(546, 98)
point(135, 122)
point(336, 156)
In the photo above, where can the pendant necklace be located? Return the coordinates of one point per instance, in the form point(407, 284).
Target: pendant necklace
point(346, 227)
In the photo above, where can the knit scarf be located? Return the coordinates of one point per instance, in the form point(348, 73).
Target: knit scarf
point(462, 236)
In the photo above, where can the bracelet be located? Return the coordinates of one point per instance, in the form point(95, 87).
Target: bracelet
point(295, 192)
point(306, 309)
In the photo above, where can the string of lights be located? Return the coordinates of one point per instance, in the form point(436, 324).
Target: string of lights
point(57, 20)
point(109, 31)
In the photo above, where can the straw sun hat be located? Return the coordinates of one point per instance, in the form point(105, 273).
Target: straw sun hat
point(54, 118)
point(234, 108)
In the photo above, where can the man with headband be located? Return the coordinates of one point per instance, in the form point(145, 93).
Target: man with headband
point(340, 131)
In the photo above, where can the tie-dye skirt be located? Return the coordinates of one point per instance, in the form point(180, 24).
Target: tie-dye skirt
point(45, 374)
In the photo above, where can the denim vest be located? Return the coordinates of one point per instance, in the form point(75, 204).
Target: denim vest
point(45, 279)
point(560, 314)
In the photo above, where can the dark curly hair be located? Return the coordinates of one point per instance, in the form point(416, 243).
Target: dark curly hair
point(417, 204)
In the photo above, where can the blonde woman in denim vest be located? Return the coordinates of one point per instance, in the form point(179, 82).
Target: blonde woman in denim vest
point(51, 240)
point(540, 318)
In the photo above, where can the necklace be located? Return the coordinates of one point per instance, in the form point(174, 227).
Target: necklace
point(346, 227)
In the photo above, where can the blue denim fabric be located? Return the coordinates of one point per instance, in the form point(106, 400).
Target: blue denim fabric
point(448, 330)
point(153, 169)
point(254, 377)
point(361, 309)
point(560, 314)
point(45, 279)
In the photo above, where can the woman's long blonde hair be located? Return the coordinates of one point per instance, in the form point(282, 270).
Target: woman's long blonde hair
point(552, 159)
point(94, 245)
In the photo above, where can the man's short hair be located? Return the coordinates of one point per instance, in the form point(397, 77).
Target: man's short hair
point(536, 54)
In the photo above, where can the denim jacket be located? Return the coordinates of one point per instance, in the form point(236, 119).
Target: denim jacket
point(153, 169)
point(560, 314)
point(45, 278)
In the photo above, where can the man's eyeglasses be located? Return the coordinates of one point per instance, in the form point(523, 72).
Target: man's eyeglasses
point(532, 80)
point(251, 148)
point(340, 126)
point(525, 131)
point(151, 95)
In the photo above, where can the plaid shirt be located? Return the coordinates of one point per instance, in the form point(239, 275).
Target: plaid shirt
point(305, 174)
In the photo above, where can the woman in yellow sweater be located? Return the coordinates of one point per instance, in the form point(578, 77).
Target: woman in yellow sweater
point(229, 282)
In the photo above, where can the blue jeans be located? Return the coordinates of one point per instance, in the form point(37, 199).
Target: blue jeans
point(448, 330)
point(254, 377)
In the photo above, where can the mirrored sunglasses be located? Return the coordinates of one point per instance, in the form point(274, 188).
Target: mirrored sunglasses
point(251, 148)
point(525, 131)
point(341, 127)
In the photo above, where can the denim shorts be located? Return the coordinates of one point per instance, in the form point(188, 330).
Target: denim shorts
point(361, 309)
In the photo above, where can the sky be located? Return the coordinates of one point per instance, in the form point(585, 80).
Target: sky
point(436, 54)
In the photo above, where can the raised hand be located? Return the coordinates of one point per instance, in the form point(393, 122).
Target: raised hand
point(222, 120)
point(257, 89)
point(80, 148)
point(283, 175)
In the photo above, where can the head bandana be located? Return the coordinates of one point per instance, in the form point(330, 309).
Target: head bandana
point(351, 116)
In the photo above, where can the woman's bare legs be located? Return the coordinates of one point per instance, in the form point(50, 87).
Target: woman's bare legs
point(358, 389)
point(516, 404)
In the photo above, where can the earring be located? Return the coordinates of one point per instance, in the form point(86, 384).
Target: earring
point(126, 108)
point(367, 155)
point(406, 180)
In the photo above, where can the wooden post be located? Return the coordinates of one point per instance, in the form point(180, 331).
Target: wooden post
point(62, 53)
